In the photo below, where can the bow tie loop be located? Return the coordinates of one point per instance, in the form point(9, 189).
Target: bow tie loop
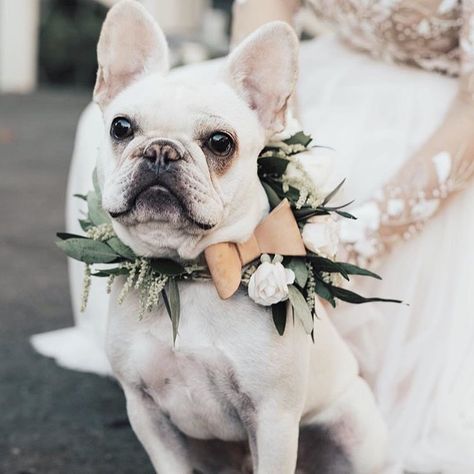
point(278, 233)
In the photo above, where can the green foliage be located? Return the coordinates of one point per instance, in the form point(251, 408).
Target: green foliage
point(301, 308)
point(121, 249)
point(172, 304)
point(298, 265)
point(279, 312)
point(165, 266)
point(314, 274)
point(87, 250)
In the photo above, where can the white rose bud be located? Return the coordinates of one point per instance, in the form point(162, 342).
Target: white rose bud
point(269, 283)
point(321, 235)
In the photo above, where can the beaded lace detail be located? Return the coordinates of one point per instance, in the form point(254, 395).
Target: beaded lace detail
point(422, 32)
point(435, 35)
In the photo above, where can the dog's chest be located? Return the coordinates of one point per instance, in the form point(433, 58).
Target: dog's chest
point(197, 390)
point(201, 384)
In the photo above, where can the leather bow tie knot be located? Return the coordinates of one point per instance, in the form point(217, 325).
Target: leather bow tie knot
point(278, 233)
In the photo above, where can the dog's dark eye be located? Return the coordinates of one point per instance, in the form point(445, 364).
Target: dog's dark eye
point(121, 128)
point(220, 144)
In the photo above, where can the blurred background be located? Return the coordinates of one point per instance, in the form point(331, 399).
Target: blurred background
point(53, 420)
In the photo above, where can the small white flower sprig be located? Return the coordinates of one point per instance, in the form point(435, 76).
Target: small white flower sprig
point(271, 282)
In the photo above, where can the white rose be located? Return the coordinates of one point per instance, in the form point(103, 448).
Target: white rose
point(319, 163)
point(368, 221)
point(269, 283)
point(321, 235)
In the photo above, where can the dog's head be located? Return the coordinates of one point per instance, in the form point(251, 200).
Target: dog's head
point(178, 165)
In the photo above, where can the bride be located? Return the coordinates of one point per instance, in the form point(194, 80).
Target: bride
point(392, 92)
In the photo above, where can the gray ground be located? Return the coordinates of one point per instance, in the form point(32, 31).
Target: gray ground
point(51, 420)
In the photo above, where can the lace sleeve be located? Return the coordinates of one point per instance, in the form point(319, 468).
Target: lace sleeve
point(442, 167)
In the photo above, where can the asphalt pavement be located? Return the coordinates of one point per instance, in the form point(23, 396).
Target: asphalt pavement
point(52, 421)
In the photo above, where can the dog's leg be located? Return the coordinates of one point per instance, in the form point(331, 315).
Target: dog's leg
point(165, 445)
point(275, 445)
point(348, 437)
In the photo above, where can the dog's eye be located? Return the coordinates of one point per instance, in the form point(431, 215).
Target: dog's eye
point(220, 144)
point(121, 128)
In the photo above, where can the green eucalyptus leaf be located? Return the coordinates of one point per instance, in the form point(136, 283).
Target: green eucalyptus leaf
point(273, 166)
point(95, 183)
point(85, 224)
point(355, 270)
point(172, 304)
point(88, 250)
point(323, 264)
point(300, 270)
point(323, 290)
point(301, 308)
point(351, 297)
point(80, 196)
point(166, 266)
point(275, 185)
point(346, 214)
point(305, 213)
point(106, 272)
point(299, 138)
point(116, 244)
point(96, 214)
point(292, 194)
point(333, 192)
point(336, 208)
point(279, 313)
point(67, 236)
point(272, 196)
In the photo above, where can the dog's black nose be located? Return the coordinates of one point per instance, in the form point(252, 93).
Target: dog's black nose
point(161, 153)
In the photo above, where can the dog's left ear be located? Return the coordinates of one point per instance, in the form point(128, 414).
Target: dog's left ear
point(131, 44)
point(263, 70)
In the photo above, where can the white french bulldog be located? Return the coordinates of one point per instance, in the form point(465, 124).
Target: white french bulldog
point(178, 171)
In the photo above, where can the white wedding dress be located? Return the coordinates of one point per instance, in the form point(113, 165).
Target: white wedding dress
point(419, 358)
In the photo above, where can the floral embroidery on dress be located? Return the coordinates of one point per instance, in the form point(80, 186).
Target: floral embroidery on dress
point(421, 32)
point(404, 209)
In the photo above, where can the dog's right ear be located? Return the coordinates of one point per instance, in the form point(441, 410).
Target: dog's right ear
point(131, 44)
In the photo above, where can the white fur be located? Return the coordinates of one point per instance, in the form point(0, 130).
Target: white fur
point(230, 376)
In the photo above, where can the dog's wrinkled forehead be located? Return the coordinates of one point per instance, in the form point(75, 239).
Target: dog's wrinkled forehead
point(166, 106)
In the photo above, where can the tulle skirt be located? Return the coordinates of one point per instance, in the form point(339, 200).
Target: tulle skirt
point(419, 359)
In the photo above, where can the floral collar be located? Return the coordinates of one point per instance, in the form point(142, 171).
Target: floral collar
point(271, 281)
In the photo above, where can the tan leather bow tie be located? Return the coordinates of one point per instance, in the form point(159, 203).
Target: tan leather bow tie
point(278, 233)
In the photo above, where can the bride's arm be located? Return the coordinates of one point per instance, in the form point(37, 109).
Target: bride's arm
point(426, 183)
point(248, 15)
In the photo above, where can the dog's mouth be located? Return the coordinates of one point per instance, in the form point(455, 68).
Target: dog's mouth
point(158, 188)
point(157, 202)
